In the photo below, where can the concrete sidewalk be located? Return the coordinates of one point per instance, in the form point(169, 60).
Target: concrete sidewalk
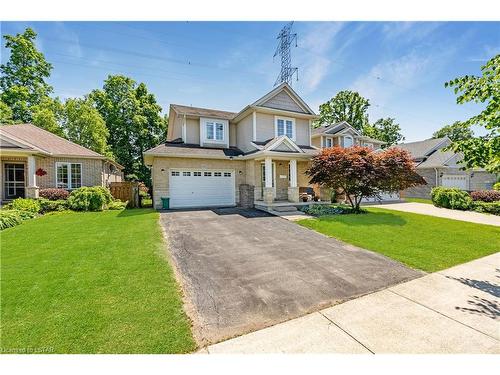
point(452, 311)
point(429, 209)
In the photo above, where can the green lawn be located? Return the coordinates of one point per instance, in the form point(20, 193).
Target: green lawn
point(423, 242)
point(419, 200)
point(90, 283)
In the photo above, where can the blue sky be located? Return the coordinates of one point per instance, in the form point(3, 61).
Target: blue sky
point(400, 66)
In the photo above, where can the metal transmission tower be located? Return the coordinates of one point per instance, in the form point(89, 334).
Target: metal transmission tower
point(283, 49)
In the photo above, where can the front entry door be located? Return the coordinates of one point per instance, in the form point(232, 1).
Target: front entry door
point(14, 181)
point(263, 179)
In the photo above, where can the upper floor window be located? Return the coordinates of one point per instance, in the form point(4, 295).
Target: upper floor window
point(348, 142)
point(215, 131)
point(285, 126)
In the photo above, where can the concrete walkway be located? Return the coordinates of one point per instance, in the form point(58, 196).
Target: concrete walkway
point(429, 209)
point(452, 311)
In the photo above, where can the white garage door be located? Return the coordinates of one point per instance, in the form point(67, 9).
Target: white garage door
point(201, 188)
point(454, 181)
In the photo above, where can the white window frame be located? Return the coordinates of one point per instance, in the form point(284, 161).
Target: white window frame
point(69, 187)
point(204, 121)
point(351, 138)
point(326, 142)
point(285, 119)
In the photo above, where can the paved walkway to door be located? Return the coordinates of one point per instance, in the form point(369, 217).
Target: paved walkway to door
point(429, 209)
point(452, 311)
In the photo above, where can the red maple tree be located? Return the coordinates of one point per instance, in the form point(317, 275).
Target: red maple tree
point(361, 172)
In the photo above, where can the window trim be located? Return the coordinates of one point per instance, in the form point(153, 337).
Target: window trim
point(203, 131)
point(70, 183)
point(351, 138)
point(326, 142)
point(285, 119)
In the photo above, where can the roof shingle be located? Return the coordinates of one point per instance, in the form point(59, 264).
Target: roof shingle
point(46, 141)
point(196, 111)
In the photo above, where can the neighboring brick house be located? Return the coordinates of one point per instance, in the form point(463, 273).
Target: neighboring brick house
point(442, 168)
point(32, 158)
point(258, 155)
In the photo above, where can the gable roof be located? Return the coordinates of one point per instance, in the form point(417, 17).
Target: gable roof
point(422, 149)
point(202, 112)
point(31, 137)
point(281, 143)
point(286, 89)
point(334, 129)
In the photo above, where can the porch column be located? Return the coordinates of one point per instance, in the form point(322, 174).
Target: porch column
point(31, 189)
point(268, 193)
point(293, 190)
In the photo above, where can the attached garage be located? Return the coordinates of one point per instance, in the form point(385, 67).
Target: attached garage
point(201, 187)
point(454, 181)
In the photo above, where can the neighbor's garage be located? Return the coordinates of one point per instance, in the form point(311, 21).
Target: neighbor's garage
point(454, 181)
point(201, 188)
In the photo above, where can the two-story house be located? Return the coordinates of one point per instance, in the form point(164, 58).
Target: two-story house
point(341, 134)
point(257, 155)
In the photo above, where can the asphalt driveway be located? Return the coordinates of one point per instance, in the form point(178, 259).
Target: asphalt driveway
point(243, 270)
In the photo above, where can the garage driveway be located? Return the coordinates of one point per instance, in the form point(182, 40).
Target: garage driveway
point(243, 270)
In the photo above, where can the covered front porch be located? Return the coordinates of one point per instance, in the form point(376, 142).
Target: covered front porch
point(281, 181)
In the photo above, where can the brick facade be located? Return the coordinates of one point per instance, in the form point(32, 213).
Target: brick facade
point(95, 172)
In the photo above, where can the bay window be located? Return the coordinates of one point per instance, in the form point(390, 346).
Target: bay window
point(68, 175)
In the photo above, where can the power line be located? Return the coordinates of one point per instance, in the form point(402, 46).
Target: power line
point(186, 62)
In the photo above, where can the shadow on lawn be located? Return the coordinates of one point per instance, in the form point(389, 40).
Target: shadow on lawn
point(135, 212)
point(366, 219)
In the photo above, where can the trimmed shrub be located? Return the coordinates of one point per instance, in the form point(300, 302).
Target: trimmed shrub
point(117, 205)
point(54, 194)
point(451, 198)
point(323, 209)
point(496, 186)
point(487, 207)
point(95, 198)
point(11, 218)
point(485, 195)
point(50, 206)
point(25, 204)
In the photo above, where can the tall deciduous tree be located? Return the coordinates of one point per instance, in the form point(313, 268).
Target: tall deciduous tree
point(84, 125)
point(133, 119)
point(457, 131)
point(481, 151)
point(385, 129)
point(23, 78)
point(345, 106)
point(5, 114)
point(48, 114)
point(360, 172)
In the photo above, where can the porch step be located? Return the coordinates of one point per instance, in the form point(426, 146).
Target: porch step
point(285, 209)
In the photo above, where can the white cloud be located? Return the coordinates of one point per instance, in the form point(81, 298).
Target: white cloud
point(72, 39)
point(312, 57)
point(391, 77)
point(487, 53)
point(408, 32)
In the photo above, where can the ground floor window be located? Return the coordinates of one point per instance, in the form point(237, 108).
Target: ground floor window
point(68, 175)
